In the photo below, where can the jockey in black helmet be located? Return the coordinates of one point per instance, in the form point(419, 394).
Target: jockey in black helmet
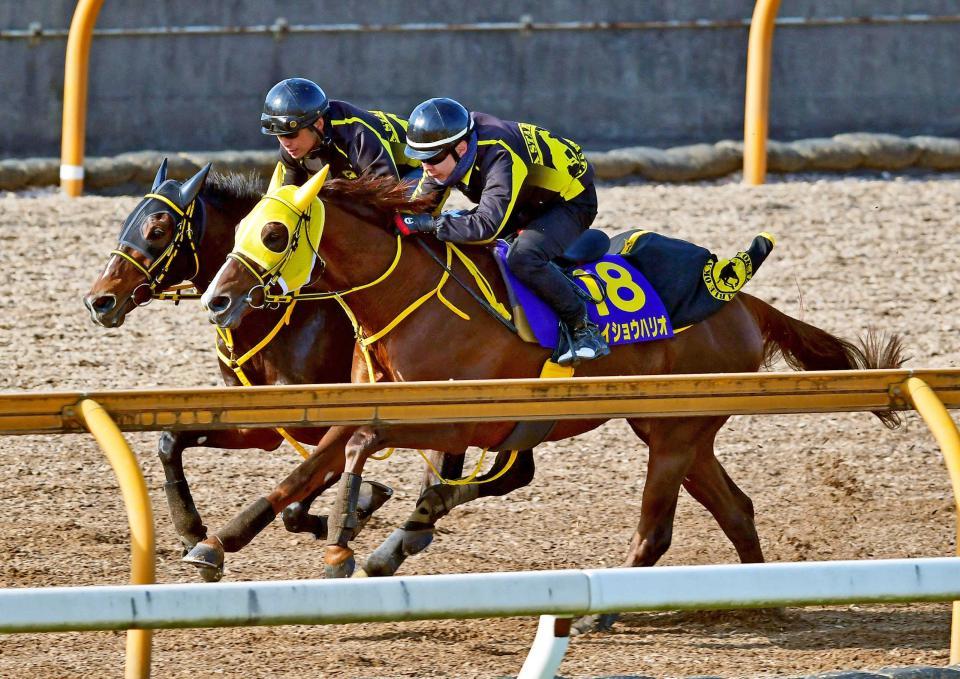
point(527, 182)
point(314, 131)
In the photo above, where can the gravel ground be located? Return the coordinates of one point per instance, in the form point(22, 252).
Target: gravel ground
point(852, 253)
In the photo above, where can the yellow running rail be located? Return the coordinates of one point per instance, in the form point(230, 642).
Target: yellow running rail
point(475, 400)
point(944, 429)
point(757, 104)
point(75, 96)
point(140, 516)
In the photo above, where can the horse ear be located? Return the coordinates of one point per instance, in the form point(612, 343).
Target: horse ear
point(276, 181)
point(306, 193)
point(161, 176)
point(191, 188)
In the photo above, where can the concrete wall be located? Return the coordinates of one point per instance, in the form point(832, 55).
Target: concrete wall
point(604, 88)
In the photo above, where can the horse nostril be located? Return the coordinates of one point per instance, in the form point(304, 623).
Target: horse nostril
point(219, 303)
point(104, 303)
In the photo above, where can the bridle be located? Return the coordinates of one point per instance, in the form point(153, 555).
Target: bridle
point(188, 228)
point(271, 277)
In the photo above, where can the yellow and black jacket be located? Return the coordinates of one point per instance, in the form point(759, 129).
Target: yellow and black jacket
point(355, 141)
point(519, 172)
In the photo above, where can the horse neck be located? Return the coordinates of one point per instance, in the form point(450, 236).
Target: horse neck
point(358, 252)
point(220, 225)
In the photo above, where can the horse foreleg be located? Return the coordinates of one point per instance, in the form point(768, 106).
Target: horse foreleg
point(297, 519)
point(319, 471)
point(338, 560)
point(436, 502)
point(186, 519)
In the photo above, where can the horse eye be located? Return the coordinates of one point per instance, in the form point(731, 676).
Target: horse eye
point(156, 226)
point(274, 237)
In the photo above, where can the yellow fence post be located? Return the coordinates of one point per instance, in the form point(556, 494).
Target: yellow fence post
point(757, 104)
point(944, 429)
point(75, 96)
point(139, 514)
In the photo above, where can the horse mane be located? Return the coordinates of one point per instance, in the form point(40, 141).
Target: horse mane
point(245, 187)
point(373, 198)
point(370, 198)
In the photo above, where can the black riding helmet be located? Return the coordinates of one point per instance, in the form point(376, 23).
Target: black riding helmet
point(435, 126)
point(292, 104)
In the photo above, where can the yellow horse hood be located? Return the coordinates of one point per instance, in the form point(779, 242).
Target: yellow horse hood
point(298, 209)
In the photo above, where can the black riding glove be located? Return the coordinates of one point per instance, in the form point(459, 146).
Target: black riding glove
point(412, 224)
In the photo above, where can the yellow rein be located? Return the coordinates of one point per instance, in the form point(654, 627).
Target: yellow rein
point(364, 342)
point(465, 481)
point(236, 365)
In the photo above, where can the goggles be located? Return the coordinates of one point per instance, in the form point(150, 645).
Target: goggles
point(437, 159)
point(281, 126)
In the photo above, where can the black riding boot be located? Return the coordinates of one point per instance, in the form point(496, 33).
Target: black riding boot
point(583, 342)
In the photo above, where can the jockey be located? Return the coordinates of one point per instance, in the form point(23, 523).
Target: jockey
point(314, 131)
point(527, 182)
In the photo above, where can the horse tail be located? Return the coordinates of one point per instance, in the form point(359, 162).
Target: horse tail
point(806, 347)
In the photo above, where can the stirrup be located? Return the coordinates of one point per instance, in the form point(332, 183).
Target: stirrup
point(564, 354)
point(594, 346)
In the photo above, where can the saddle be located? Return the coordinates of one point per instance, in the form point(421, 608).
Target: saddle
point(641, 285)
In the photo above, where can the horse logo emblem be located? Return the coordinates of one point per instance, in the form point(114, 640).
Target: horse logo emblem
point(725, 277)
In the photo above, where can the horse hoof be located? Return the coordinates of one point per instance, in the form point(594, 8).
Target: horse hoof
point(593, 623)
point(208, 559)
point(210, 574)
point(386, 558)
point(373, 495)
point(344, 569)
point(338, 562)
point(188, 542)
point(296, 519)
point(360, 573)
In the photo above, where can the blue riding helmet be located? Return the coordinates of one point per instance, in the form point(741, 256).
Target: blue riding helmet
point(291, 105)
point(435, 127)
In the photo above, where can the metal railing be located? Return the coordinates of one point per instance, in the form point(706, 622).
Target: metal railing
point(140, 517)
point(759, 56)
point(561, 594)
point(35, 32)
point(478, 400)
point(473, 401)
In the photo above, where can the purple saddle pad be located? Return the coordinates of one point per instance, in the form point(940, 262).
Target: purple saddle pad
point(632, 311)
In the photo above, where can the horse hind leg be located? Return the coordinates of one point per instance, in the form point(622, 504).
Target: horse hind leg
point(673, 444)
point(449, 465)
point(710, 485)
point(436, 502)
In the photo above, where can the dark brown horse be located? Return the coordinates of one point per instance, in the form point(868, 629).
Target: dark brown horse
point(313, 345)
point(432, 343)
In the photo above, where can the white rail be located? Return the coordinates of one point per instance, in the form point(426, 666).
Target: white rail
point(561, 593)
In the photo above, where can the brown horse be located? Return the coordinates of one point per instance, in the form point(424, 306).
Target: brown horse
point(432, 343)
point(313, 345)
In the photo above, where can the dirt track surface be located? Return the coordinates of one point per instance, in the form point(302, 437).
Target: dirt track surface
point(861, 252)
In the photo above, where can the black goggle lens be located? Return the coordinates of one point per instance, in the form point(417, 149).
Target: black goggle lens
point(437, 159)
point(281, 127)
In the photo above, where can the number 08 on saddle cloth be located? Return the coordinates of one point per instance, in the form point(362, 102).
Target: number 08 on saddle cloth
point(647, 287)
